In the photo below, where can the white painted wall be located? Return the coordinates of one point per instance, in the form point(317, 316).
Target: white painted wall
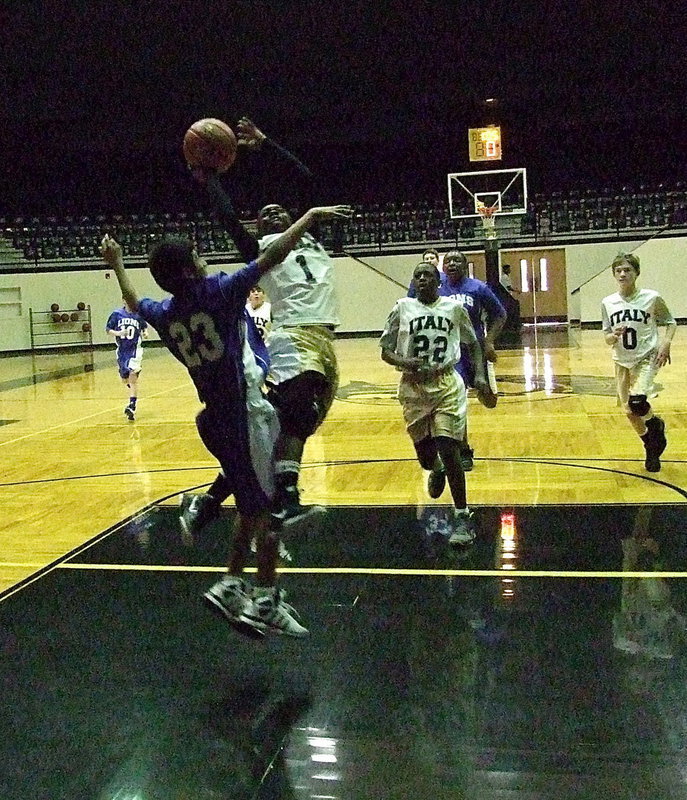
point(365, 296)
point(663, 265)
point(40, 290)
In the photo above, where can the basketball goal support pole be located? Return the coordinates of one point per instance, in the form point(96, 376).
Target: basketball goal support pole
point(491, 258)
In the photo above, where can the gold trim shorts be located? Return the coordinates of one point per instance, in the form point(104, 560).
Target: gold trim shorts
point(434, 406)
point(306, 348)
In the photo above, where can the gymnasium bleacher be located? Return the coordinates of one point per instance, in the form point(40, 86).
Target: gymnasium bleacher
point(574, 215)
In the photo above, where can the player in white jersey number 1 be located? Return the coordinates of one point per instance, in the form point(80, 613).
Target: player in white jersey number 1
point(422, 339)
point(304, 374)
point(630, 320)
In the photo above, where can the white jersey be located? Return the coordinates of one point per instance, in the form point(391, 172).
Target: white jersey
point(640, 315)
point(431, 332)
point(301, 288)
point(262, 317)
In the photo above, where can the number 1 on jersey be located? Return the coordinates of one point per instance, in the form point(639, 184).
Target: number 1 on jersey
point(303, 264)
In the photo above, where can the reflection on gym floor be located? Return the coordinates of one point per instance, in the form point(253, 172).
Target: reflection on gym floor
point(527, 663)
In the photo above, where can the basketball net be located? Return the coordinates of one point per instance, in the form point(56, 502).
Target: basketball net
point(488, 221)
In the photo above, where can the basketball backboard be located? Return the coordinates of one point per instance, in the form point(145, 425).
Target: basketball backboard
point(502, 189)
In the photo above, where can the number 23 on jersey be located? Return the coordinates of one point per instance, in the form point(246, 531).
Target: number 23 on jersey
point(198, 340)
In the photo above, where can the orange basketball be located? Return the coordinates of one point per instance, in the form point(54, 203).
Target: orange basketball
point(85, 327)
point(210, 143)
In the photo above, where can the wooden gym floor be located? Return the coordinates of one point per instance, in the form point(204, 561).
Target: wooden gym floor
point(496, 674)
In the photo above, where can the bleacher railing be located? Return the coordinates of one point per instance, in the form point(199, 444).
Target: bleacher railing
point(73, 243)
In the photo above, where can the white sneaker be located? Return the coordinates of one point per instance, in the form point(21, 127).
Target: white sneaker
point(464, 531)
point(230, 598)
point(270, 613)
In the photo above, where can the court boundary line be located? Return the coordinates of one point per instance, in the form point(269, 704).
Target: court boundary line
point(380, 571)
point(552, 460)
point(65, 561)
point(44, 570)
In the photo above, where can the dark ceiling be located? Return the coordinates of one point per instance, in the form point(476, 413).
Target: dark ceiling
point(375, 96)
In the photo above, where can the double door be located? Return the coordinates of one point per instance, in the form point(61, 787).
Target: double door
point(539, 275)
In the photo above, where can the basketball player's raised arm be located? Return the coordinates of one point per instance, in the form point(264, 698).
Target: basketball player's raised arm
point(251, 137)
point(277, 251)
point(112, 255)
point(664, 318)
point(245, 242)
point(470, 340)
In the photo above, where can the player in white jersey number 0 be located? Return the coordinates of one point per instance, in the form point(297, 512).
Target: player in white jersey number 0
point(630, 320)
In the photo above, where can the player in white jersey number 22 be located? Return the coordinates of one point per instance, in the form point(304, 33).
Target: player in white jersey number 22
point(422, 339)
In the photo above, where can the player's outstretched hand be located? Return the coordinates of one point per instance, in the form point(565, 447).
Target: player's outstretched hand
point(332, 212)
point(663, 355)
point(248, 134)
point(111, 250)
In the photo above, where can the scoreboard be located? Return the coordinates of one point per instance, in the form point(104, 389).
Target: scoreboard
point(484, 144)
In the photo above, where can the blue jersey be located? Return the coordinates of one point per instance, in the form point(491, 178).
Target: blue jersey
point(129, 349)
point(208, 330)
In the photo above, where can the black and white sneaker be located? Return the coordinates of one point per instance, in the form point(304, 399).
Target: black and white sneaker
point(436, 482)
point(464, 530)
point(655, 443)
point(230, 598)
point(196, 511)
point(466, 458)
point(270, 613)
point(130, 413)
point(290, 512)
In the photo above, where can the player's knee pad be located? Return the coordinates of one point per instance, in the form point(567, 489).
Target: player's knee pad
point(638, 405)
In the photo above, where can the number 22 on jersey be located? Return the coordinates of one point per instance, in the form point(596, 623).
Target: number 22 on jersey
point(421, 347)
